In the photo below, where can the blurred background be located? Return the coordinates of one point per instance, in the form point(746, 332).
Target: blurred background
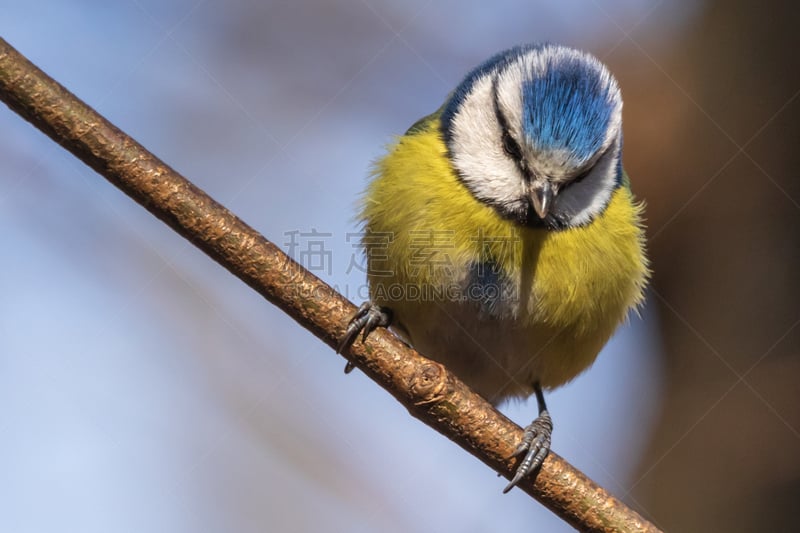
point(143, 388)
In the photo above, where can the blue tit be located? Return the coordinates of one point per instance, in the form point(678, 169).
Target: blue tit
point(500, 232)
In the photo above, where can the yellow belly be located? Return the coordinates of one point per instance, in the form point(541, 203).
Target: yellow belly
point(563, 292)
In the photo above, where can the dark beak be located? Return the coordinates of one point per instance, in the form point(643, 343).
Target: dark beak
point(542, 195)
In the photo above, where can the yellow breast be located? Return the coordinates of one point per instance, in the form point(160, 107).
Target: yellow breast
point(426, 230)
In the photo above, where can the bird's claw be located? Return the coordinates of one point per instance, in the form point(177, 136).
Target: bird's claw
point(368, 317)
point(536, 442)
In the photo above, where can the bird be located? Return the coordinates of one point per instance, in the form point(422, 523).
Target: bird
point(500, 233)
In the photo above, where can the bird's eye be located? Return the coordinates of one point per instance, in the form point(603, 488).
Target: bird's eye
point(511, 148)
point(579, 178)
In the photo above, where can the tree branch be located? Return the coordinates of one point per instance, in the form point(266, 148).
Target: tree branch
point(426, 388)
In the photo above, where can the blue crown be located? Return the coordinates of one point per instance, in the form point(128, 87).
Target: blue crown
point(568, 108)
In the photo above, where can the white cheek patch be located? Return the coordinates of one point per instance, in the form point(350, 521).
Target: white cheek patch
point(580, 202)
point(477, 149)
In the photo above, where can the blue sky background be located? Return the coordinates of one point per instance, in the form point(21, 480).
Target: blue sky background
point(142, 387)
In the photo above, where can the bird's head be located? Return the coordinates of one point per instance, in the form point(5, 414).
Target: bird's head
point(536, 132)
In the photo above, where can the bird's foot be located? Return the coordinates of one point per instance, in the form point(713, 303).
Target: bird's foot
point(536, 442)
point(368, 317)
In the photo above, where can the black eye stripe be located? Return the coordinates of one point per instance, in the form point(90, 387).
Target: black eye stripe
point(580, 177)
point(510, 147)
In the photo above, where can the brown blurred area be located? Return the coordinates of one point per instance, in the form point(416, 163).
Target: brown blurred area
point(712, 141)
